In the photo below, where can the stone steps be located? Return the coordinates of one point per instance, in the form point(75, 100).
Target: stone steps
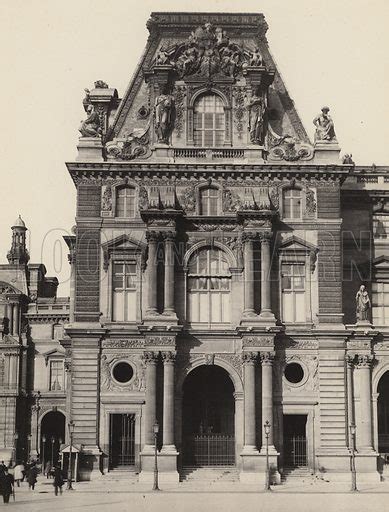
point(215, 474)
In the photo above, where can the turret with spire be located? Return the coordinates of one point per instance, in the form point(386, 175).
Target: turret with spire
point(18, 254)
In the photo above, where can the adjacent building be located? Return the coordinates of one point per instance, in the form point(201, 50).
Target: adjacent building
point(229, 279)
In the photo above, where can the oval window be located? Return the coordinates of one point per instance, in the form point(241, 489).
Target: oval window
point(122, 372)
point(294, 373)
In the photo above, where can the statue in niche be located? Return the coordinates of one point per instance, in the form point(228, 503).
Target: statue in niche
point(164, 115)
point(362, 304)
point(325, 131)
point(91, 126)
point(256, 110)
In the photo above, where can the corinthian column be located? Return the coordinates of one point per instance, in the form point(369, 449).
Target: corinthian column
point(168, 401)
point(152, 238)
point(169, 273)
point(248, 240)
point(249, 359)
point(150, 360)
point(350, 396)
point(265, 276)
point(364, 430)
point(267, 394)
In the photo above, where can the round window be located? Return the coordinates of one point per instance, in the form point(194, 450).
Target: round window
point(122, 372)
point(294, 373)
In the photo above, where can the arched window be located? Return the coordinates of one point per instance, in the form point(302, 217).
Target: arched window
point(209, 282)
point(291, 204)
point(209, 201)
point(125, 202)
point(209, 123)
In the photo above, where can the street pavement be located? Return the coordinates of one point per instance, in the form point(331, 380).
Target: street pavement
point(106, 495)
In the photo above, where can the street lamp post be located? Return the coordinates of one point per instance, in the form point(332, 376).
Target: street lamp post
point(43, 452)
point(156, 430)
point(266, 427)
point(52, 451)
point(16, 437)
point(29, 446)
point(71, 431)
point(36, 407)
point(352, 455)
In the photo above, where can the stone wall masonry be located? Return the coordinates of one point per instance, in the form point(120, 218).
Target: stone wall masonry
point(87, 294)
point(328, 201)
point(88, 200)
point(330, 274)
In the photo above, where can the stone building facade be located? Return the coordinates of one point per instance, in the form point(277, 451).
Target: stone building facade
point(230, 279)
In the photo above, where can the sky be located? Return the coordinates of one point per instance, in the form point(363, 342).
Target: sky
point(331, 53)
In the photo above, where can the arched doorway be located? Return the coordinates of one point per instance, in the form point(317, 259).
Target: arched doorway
point(52, 436)
point(208, 426)
point(383, 413)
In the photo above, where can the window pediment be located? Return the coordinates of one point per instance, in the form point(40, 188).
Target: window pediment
point(295, 248)
point(120, 245)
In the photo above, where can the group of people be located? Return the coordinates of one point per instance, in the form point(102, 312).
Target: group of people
point(15, 474)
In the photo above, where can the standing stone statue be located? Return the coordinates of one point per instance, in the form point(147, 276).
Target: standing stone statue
point(91, 126)
point(362, 304)
point(325, 131)
point(164, 116)
point(256, 110)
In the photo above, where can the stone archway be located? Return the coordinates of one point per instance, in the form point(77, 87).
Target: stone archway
point(208, 418)
point(52, 436)
point(383, 413)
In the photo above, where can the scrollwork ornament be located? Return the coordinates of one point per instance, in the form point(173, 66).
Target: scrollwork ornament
point(180, 96)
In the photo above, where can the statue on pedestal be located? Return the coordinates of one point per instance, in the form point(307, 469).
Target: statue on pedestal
point(91, 126)
point(325, 131)
point(256, 110)
point(362, 304)
point(164, 116)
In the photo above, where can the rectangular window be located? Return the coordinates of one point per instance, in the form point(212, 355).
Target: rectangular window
point(125, 202)
point(124, 290)
point(291, 204)
point(293, 292)
point(380, 303)
point(56, 376)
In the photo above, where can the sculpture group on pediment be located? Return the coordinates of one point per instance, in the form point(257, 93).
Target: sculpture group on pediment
point(207, 52)
point(325, 131)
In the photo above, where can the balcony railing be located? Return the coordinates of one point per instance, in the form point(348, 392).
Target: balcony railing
point(211, 154)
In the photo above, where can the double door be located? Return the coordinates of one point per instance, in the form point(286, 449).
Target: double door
point(122, 440)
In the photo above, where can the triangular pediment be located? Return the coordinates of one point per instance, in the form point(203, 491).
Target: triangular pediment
point(294, 243)
point(123, 242)
point(180, 42)
point(381, 262)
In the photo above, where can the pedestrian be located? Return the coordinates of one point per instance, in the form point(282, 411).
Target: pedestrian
point(48, 470)
point(19, 473)
point(32, 476)
point(58, 480)
point(3, 467)
point(6, 485)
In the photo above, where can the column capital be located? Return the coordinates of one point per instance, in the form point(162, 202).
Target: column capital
point(168, 357)
point(267, 358)
point(350, 360)
point(265, 237)
point(152, 236)
point(150, 357)
point(169, 236)
point(249, 236)
point(364, 361)
point(249, 357)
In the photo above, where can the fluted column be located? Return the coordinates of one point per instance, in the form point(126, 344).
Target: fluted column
point(267, 394)
point(150, 359)
point(168, 401)
point(265, 276)
point(248, 239)
point(249, 359)
point(169, 273)
point(10, 313)
point(364, 430)
point(152, 238)
point(350, 396)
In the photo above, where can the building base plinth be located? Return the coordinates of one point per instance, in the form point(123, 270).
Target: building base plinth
point(336, 467)
point(90, 148)
point(253, 469)
point(167, 467)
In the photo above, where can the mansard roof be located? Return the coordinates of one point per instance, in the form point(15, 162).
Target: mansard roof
point(167, 29)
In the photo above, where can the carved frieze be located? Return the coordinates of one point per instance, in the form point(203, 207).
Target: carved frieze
point(258, 341)
point(130, 343)
point(158, 341)
point(299, 344)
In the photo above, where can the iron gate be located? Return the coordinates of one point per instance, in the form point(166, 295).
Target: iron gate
point(122, 440)
point(295, 450)
point(209, 450)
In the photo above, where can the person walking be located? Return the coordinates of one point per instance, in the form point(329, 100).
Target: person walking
point(32, 476)
point(6, 485)
point(18, 473)
point(58, 480)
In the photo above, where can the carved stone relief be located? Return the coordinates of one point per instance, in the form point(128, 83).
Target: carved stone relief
point(310, 365)
point(108, 383)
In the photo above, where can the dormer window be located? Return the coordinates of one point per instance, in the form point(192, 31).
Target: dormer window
point(209, 121)
point(209, 201)
point(125, 202)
